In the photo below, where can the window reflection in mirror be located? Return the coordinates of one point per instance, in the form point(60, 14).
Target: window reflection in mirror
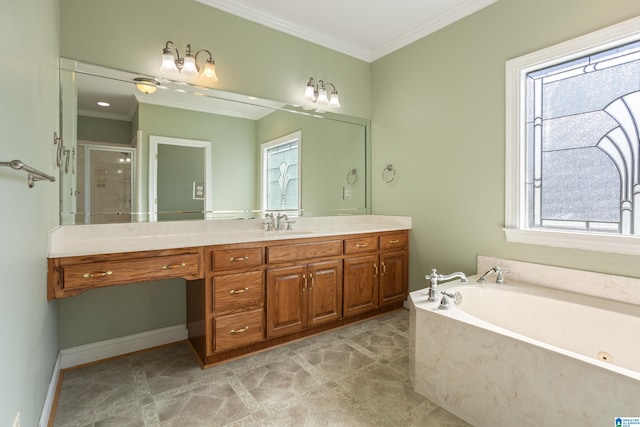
point(280, 174)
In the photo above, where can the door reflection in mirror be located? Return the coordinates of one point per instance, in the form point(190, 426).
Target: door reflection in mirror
point(176, 167)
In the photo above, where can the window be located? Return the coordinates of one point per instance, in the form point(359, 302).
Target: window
point(573, 143)
point(281, 173)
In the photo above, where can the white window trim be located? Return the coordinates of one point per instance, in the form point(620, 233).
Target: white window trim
point(516, 71)
point(297, 135)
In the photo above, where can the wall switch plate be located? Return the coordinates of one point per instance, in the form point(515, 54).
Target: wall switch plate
point(346, 193)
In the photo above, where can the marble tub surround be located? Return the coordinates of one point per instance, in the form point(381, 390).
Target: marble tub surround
point(71, 240)
point(355, 376)
point(600, 285)
point(489, 375)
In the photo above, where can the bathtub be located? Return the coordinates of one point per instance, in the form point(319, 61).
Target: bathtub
point(518, 354)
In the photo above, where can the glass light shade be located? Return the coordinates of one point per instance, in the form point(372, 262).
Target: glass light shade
point(189, 68)
point(322, 96)
point(146, 88)
point(309, 93)
point(168, 63)
point(210, 71)
point(333, 100)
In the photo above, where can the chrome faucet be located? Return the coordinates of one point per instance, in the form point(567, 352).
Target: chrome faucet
point(269, 223)
point(434, 277)
point(500, 275)
point(280, 221)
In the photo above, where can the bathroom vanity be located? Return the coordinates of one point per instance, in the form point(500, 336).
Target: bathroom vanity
point(247, 289)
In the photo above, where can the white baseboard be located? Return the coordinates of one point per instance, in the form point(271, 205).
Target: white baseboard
point(88, 353)
point(51, 393)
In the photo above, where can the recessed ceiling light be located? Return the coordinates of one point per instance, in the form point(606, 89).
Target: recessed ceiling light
point(103, 104)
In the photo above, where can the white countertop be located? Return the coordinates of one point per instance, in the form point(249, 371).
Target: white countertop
point(73, 240)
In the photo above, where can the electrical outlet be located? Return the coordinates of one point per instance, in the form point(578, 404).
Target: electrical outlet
point(346, 193)
point(16, 421)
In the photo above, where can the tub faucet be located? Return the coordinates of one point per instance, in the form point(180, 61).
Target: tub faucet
point(500, 272)
point(434, 277)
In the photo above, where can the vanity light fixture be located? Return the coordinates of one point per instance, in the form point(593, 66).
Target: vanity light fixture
point(187, 64)
point(146, 85)
point(318, 93)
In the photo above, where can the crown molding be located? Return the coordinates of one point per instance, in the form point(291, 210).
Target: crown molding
point(275, 22)
point(452, 15)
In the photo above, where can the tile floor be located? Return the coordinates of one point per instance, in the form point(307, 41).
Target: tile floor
point(354, 376)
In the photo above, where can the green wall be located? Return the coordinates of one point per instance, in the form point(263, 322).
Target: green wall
point(438, 116)
point(28, 118)
point(104, 130)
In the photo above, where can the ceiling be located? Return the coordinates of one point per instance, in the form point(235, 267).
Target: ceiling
point(364, 29)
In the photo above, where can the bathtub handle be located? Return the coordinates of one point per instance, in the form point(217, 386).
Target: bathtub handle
point(456, 297)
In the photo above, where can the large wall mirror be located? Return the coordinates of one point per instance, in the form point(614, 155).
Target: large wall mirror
point(210, 163)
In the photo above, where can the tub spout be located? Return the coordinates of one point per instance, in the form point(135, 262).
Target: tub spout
point(434, 277)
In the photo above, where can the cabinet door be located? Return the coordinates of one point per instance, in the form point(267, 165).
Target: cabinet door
point(324, 292)
point(286, 300)
point(393, 277)
point(360, 284)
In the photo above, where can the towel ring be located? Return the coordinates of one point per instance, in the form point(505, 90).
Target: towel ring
point(352, 176)
point(389, 174)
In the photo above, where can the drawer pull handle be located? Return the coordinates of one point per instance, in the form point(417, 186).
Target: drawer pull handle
point(362, 245)
point(384, 268)
point(375, 266)
point(304, 279)
point(173, 266)
point(239, 331)
point(98, 274)
point(238, 291)
point(239, 258)
point(394, 241)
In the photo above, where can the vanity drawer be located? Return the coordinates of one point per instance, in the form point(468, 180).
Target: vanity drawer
point(393, 242)
point(235, 291)
point(235, 330)
point(303, 251)
point(360, 245)
point(96, 274)
point(222, 259)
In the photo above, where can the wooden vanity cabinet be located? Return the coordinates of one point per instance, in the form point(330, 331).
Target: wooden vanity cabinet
point(375, 272)
point(246, 297)
point(394, 268)
point(236, 291)
point(300, 296)
point(303, 296)
point(70, 276)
